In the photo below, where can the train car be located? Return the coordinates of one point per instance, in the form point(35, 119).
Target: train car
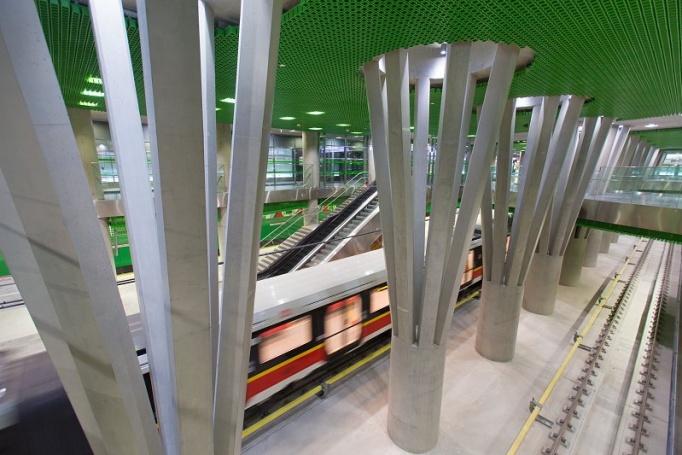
point(306, 319)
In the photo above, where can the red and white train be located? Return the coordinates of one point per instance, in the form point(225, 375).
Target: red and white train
point(305, 319)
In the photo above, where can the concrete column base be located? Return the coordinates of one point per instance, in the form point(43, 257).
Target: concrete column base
point(498, 321)
point(572, 265)
point(605, 243)
point(614, 238)
point(414, 395)
point(592, 248)
point(310, 213)
point(542, 283)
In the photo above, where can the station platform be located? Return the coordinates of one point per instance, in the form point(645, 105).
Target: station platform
point(485, 404)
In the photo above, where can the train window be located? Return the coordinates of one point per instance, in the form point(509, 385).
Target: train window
point(284, 338)
point(378, 299)
point(342, 324)
point(469, 268)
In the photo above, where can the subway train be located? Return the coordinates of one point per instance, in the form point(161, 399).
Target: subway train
point(303, 322)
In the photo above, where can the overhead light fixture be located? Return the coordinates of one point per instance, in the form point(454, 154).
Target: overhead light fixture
point(282, 65)
point(93, 80)
point(96, 93)
point(218, 108)
point(343, 124)
point(412, 127)
point(287, 118)
point(88, 103)
point(228, 100)
point(314, 128)
point(651, 125)
point(315, 113)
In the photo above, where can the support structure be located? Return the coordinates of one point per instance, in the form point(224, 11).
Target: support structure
point(311, 172)
point(169, 39)
point(557, 225)
point(574, 257)
point(256, 69)
point(113, 51)
point(224, 154)
point(64, 267)
point(421, 285)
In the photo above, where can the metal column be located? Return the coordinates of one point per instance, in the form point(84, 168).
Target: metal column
point(256, 68)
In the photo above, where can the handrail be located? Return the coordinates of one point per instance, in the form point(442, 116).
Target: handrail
point(331, 235)
point(339, 192)
point(578, 339)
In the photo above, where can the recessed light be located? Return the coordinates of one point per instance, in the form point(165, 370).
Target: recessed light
point(228, 100)
point(88, 103)
point(287, 118)
point(356, 132)
point(315, 113)
point(95, 93)
point(651, 125)
point(412, 127)
point(218, 108)
point(315, 128)
point(343, 124)
point(93, 80)
point(282, 65)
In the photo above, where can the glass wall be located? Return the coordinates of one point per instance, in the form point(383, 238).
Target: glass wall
point(342, 158)
point(285, 162)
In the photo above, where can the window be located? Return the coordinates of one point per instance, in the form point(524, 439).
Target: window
point(284, 338)
point(342, 324)
point(378, 299)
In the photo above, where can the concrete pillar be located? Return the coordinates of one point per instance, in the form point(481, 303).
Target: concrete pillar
point(371, 167)
point(592, 248)
point(605, 242)
point(572, 264)
point(542, 284)
point(421, 296)
point(415, 369)
point(66, 264)
point(311, 170)
point(256, 69)
point(498, 321)
point(224, 152)
point(81, 123)
point(169, 41)
point(614, 237)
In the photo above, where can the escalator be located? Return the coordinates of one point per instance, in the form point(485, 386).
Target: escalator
point(295, 257)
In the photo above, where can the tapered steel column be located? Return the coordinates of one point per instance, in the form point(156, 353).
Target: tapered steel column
point(422, 287)
point(116, 69)
point(206, 43)
point(256, 68)
point(59, 259)
point(169, 40)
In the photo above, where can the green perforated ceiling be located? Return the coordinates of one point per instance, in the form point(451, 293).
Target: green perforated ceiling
point(670, 139)
point(625, 54)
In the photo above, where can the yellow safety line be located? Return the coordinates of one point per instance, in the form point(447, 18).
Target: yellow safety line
point(315, 390)
point(266, 420)
point(285, 363)
point(550, 387)
point(467, 298)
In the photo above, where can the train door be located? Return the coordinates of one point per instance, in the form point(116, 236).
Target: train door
point(342, 324)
